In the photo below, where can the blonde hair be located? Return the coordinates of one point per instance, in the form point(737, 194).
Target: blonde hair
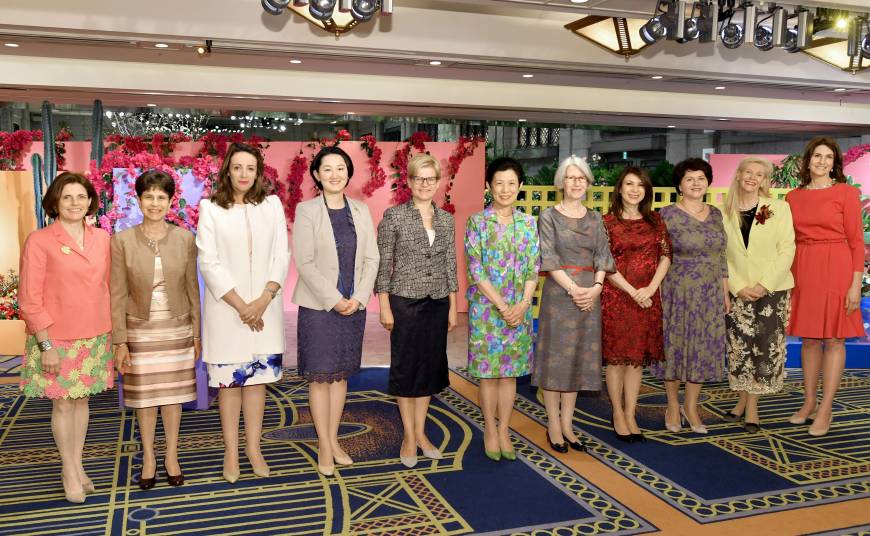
point(423, 160)
point(731, 207)
point(562, 171)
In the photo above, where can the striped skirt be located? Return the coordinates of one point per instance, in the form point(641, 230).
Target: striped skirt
point(163, 360)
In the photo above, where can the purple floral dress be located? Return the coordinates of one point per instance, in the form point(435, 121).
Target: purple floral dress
point(693, 308)
point(507, 256)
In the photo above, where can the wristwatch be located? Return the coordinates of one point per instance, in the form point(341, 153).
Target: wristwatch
point(45, 345)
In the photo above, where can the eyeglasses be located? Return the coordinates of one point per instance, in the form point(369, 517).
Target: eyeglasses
point(425, 180)
point(576, 180)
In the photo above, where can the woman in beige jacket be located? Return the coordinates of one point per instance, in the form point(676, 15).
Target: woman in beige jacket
point(336, 254)
point(155, 321)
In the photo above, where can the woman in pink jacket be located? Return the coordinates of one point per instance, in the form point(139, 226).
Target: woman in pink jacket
point(64, 300)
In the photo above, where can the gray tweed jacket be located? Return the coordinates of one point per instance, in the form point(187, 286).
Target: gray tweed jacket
point(409, 266)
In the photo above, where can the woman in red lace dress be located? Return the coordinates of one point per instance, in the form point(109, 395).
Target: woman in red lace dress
point(631, 304)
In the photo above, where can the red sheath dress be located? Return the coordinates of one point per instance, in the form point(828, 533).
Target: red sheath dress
point(830, 248)
point(631, 335)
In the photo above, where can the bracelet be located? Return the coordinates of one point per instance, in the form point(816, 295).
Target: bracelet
point(45, 345)
point(527, 302)
point(598, 283)
point(570, 288)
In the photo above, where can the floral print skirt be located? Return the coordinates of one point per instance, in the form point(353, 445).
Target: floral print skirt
point(263, 368)
point(756, 343)
point(86, 368)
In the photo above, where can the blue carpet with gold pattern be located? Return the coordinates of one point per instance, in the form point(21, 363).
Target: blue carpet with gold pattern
point(730, 473)
point(463, 493)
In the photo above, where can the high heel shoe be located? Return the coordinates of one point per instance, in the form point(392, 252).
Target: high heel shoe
point(639, 438)
point(432, 454)
point(342, 460)
point(794, 419)
point(509, 455)
point(732, 417)
point(262, 472)
point(628, 438)
point(147, 483)
point(408, 461)
point(77, 498)
point(173, 480)
point(821, 431)
point(558, 447)
point(699, 429)
point(492, 455)
point(88, 485)
point(326, 471)
point(673, 427)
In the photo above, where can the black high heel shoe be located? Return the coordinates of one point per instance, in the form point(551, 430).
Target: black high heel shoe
point(558, 447)
point(579, 445)
point(147, 483)
point(628, 438)
point(638, 438)
point(173, 480)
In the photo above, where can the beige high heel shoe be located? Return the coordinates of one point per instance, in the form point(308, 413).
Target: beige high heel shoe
point(699, 429)
point(673, 427)
point(794, 419)
point(76, 498)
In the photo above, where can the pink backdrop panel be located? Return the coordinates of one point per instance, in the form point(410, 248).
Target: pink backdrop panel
point(467, 191)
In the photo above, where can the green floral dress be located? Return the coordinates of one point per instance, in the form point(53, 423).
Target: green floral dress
point(507, 256)
point(86, 368)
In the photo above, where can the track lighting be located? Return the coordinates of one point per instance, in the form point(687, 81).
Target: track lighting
point(791, 37)
point(363, 10)
point(763, 38)
point(204, 50)
point(691, 30)
point(663, 22)
point(653, 30)
point(731, 35)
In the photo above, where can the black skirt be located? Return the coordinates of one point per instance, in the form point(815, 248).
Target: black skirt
point(418, 346)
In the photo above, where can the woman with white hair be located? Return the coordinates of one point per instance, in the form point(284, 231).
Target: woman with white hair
point(760, 251)
point(576, 256)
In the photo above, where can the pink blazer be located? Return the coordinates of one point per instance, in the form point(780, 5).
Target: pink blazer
point(63, 288)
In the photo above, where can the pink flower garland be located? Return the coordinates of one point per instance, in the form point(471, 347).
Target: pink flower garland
point(401, 191)
point(464, 148)
point(13, 147)
point(298, 168)
point(377, 176)
point(854, 154)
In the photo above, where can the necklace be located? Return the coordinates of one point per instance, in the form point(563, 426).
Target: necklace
point(811, 186)
point(692, 211)
point(154, 239)
point(750, 207)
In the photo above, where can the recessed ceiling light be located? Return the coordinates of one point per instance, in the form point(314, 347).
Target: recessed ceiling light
point(579, 1)
point(11, 45)
point(721, 119)
point(840, 89)
point(333, 122)
point(161, 45)
point(657, 77)
point(672, 126)
point(435, 62)
point(521, 120)
point(351, 113)
point(151, 105)
point(295, 61)
point(719, 88)
point(528, 76)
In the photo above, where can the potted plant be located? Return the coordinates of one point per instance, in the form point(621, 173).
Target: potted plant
point(12, 332)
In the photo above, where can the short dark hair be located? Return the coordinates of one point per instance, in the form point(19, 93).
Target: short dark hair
point(157, 180)
point(222, 194)
point(836, 172)
point(505, 163)
point(691, 164)
point(318, 160)
point(55, 189)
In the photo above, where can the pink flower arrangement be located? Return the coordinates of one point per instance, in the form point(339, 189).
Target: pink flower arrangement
point(377, 176)
point(298, 168)
point(855, 153)
point(13, 147)
point(464, 148)
point(401, 191)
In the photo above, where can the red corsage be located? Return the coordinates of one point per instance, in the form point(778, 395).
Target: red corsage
point(763, 214)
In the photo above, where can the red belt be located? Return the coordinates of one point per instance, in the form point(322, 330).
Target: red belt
point(572, 269)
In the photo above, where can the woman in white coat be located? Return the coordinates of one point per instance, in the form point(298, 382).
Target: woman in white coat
point(336, 253)
point(243, 257)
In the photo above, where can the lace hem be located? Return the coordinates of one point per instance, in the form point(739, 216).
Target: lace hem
point(328, 377)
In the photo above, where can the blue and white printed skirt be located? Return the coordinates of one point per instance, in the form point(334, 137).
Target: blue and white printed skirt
point(263, 368)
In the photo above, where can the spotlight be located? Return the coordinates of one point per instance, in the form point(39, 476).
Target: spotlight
point(363, 10)
point(732, 35)
point(204, 50)
point(653, 30)
point(274, 7)
point(321, 9)
point(791, 39)
point(691, 31)
point(763, 38)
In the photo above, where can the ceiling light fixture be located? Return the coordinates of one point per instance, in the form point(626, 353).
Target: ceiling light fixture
point(663, 22)
point(11, 45)
point(840, 89)
point(161, 45)
point(151, 105)
point(205, 49)
point(657, 77)
point(294, 61)
point(614, 34)
point(434, 63)
point(719, 88)
point(528, 76)
point(330, 15)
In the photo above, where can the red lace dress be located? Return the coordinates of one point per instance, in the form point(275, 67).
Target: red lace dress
point(632, 335)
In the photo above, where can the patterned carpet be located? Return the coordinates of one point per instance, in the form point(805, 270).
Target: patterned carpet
point(729, 473)
point(463, 493)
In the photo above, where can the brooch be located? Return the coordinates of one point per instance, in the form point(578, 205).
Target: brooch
point(65, 250)
point(763, 214)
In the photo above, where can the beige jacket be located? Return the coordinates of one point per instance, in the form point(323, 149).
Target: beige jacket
point(317, 259)
point(133, 277)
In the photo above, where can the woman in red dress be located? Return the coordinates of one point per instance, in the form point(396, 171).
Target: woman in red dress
point(631, 304)
point(828, 266)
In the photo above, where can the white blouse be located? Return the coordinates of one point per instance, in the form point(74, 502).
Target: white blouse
point(242, 248)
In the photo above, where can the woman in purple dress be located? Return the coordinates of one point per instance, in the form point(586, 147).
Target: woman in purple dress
point(694, 295)
point(336, 254)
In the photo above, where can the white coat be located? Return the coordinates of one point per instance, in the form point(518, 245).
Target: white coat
point(223, 242)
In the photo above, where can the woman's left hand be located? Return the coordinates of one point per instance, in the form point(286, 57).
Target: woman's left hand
point(253, 313)
point(451, 318)
point(197, 348)
point(853, 298)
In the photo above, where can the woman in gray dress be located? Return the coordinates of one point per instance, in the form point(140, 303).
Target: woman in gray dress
point(576, 253)
point(336, 254)
point(694, 295)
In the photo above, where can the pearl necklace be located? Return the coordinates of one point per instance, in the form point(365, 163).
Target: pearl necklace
point(810, 186)
point(750, 207)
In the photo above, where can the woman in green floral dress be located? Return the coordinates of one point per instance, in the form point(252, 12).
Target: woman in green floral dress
point(501, 244)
